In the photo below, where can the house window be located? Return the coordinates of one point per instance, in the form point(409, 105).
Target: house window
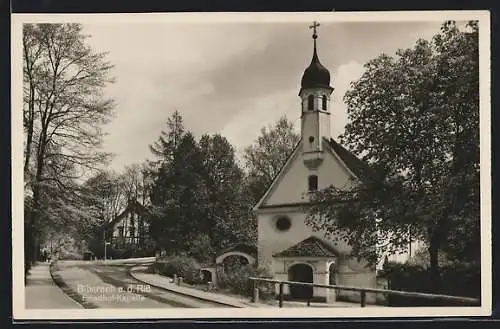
point(132, 231)
point(313, 183)
point(323, 102)
point(310, 103)
point(120, 231)
point(283, 223)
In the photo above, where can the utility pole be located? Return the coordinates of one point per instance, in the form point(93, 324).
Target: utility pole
point(106, 243)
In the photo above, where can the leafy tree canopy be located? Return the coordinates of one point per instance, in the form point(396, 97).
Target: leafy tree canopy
point(268, 154)
point(415, 118)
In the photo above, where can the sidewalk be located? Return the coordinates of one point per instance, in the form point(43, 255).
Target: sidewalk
point(163, 282)
point(42, 293)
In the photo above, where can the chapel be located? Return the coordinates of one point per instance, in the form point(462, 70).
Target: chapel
point(287, 247)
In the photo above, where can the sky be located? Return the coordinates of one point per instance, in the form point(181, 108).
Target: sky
point(229, 78)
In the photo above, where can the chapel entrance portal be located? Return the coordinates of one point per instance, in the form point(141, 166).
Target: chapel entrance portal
point(301, 273)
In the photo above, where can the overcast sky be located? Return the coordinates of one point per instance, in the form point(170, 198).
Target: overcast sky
point(229, 78)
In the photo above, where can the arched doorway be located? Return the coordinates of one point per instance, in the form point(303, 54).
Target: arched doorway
point(333, 274)
point(206, 276)
point(301, 273)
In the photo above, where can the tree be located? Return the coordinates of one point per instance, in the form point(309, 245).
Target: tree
point(169, 140)
point(268, 154)
point(175, 195)
point(415, 118)
point(199, 203)
point(137, 182)
point(63, 107)
point(226, 207)
point(107, 192)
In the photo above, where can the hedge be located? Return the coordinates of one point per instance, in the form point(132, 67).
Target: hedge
point(458, 279)
point(235, 279)
point(182, 266)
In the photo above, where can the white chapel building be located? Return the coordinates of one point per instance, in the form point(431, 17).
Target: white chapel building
point(287, 247)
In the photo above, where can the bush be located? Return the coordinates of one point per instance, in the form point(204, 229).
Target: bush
point(235, 279)
point(186, 267)
point(200, 248)
point(128, 251)
point(121, 253)
point(456, 280)
point(68, 255)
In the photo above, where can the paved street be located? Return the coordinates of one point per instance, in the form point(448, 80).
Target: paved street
point(110, 286)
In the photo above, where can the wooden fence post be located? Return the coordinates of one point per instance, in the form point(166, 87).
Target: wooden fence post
point(281, 295)
point(255, 295)
point(363, 298)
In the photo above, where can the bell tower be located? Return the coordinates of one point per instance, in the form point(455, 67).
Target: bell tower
point(315, 95)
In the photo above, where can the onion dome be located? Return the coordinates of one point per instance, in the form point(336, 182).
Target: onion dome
point(316, 75)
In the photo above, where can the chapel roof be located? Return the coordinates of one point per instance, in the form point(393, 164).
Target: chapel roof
point(359, 168)
point(315, 75)
point(310, 247)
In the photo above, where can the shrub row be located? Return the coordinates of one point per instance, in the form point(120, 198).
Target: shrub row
point(126, 252)
point(235, 279)
point(186, 267)
point(458, 279)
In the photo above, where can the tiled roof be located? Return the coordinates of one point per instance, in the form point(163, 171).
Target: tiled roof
point(360, 168)
point(244, 248)
point(310, 247)
point(284, 205)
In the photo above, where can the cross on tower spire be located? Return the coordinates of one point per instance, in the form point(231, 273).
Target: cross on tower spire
point(314, 26)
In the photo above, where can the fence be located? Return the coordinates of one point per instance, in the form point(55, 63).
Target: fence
point(362, 291)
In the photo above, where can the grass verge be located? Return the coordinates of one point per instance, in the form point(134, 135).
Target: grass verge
point(67, 289)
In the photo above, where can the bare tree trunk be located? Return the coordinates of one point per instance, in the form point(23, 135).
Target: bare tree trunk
point(29, 133)
point(29, 125)
point(35, 210)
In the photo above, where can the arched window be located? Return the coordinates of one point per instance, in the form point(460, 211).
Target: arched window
point(323, 102)
point(310, 103)
point(313, 183)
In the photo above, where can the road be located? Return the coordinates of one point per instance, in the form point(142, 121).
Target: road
point(110, 286)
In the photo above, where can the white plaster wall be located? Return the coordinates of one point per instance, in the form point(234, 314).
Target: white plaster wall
point(362, 278)
point(271, 240)
point(310, 127)
point(292, 185)
point(315, 123)
point(324, 127)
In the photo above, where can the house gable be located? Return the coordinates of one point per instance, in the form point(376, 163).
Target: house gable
point(290, 187)
point(132, 207)
point(310, 247)
point(283, 172)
